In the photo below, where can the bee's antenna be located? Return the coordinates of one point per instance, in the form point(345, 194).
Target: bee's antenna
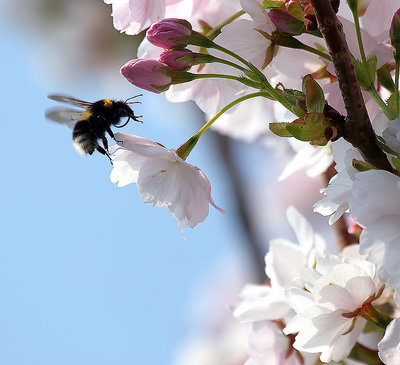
point(133, 102)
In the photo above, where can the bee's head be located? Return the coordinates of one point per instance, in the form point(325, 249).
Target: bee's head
point(126, 111)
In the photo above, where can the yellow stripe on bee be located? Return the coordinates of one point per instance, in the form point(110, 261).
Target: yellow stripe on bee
point(86, 115)
point(107, 103)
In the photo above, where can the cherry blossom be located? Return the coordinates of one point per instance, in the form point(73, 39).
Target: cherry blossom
point(338, 192)
point(284, 263)
point(379, 217)
point(163, 178)
point(133, 16)
point(268, 345)
point(389, 347)
point(328, 316)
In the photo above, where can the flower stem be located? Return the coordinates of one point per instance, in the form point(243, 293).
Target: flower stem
point(184, 150)
point(243, 80)
point(232, 54)
point(359, 38)
point(226, 62)
point(371, 87)
point(227, 107)
point(217, 30)
point(260, 77)
point(316, 51)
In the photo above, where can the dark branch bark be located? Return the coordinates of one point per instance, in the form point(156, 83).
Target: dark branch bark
point(358, 130)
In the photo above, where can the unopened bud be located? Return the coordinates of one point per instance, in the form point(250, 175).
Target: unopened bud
point(178, 59)
point(150, 75)
point(395, 35)
point(169, 33)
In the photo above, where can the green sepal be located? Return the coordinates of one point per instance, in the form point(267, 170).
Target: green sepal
point(391, 103)
point(396, 163)
point(295, 97)
point(310, 129)
point(184, 150)
point(385, 79)
point(273, 4)
point(365, 73)
point(296, 11)
point(272, 50)
point(280, 129)
point(384, 147)
point(362, 165)
point(315, 99)
point(314, 129)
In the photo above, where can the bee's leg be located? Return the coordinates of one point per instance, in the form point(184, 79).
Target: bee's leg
point(105, 143)
point(110, 132)
point(104, 152)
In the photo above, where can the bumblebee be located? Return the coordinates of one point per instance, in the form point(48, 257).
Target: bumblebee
point(91, 124)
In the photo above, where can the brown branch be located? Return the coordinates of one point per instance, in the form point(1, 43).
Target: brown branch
point(358, 129)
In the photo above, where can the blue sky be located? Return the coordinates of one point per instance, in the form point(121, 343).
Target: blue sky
point(88, 274)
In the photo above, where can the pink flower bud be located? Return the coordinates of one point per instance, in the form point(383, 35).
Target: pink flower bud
point(169, 33)
point(179, 59)
point(150, 75)
point(285, 22)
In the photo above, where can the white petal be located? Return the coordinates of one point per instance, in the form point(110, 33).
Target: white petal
point(302, 228)
point(284, 262)
point(181, 188)
point(389, 347)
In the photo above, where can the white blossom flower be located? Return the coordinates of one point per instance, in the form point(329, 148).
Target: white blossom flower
point(389, 347)
point(284, 262)
point(375, 205)
point(268, 345)
point(133, 16)
point(328, 316)
point(339, 190)
point(163, 178)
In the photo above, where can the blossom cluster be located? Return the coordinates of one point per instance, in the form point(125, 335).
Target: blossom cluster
point(248, 63)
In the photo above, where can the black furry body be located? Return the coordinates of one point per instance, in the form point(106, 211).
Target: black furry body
point(91, 124)
point(95, 122)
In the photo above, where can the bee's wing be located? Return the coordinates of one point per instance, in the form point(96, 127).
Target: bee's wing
point(65, 116)
point(70, 100)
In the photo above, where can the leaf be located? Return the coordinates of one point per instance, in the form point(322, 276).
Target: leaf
point(295, 97)
point(304, 132)
point(371, 68)
point(280, 129)
point(385, 79)
point(365, 72)
point(362, 165)
point(396, 163)
point(272, 4)
point(391, 103)
point(315, 99)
